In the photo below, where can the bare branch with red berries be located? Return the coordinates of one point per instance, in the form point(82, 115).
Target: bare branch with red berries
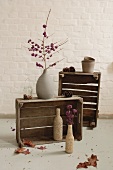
point(44, 51)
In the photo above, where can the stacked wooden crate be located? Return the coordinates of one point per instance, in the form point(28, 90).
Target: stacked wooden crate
point(87, 86)
point(34, 118)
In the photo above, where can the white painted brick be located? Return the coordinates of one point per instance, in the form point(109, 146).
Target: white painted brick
point(94, 9)
point(23, 14)
point(3, 39)
point(85, 16)
point(5, 33)
point(106, 28)
point(11, 52)
point(9, 45)
point(68, 16)
point(22, 40)
point(1, 71)
point(6, 58)
point(67, 28)
point(12, 39)
point(3, 26)
point(22, 27)
point(14, 77)
point(76, 9)
point(104, 23)
point(84, 45)
point(5, 77)
point(14, 71)
point(13, 27)
point(88, 26)
point(67, 22)
point(109, 10)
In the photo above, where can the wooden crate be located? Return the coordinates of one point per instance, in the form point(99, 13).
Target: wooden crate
point(34, 118)
point(87, 86)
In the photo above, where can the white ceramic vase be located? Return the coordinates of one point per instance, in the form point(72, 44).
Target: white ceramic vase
point(58, 126)
point(69, 140)
point(45, 86)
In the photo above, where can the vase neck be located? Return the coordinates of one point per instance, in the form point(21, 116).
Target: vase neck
point(57, 111)
point(70, 131)
point(44, 71)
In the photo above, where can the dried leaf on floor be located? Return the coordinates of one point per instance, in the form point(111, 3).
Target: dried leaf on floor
point(42, 147)
point(28, 143)
point(92, 161)
point(22, 150)
point(82, 165)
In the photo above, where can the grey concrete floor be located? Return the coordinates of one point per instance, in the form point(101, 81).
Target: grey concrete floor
point(98, 141)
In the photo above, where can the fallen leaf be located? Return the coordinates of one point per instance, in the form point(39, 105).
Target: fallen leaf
point(28, 143)
point(22, 150)
point(26, 152)
point(82, 165)
point(92, 161)
point(42, 147)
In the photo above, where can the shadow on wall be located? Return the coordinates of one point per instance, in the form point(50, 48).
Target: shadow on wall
point(110, 68)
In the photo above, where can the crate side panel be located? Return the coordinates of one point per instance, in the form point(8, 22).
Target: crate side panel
point(39, 133)
point(45, 104)
point(89, 112)
point(81, 93)
point(92, 99)
point(79, 79)
point(37, 111)
point(90, 106)
point(36, 122)
point(89, 87)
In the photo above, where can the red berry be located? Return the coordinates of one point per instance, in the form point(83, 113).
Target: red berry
point(32, 54)
point(29, 41)
point(44, 26)
point(44, 34)
point(52, 44)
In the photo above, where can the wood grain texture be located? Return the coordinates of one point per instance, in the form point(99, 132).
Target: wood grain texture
point(34, 119)
point(88, 87)
point(85, 85)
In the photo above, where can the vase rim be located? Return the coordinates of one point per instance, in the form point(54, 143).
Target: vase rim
point(89, 58)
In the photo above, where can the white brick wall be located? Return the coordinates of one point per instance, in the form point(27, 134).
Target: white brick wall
point(87, 24)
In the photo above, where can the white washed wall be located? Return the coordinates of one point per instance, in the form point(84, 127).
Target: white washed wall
point(88, 24)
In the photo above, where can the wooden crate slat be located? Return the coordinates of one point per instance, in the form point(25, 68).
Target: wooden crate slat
point(86, 123)
point(91, 105)
point(89, 112)
point(39, 121)
point(81, 93)
point(83, 79)
point(37, 111)
point(92, 99)
point(90, 87)
point(40, 133)
point(46, 104)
